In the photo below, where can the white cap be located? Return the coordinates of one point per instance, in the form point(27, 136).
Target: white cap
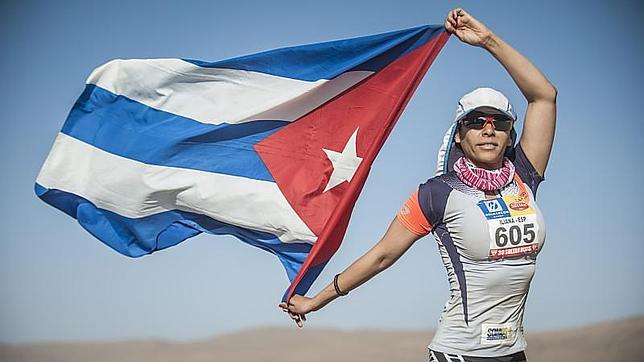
point(484, 98)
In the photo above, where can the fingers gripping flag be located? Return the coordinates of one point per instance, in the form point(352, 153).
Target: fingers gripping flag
point(273, 148)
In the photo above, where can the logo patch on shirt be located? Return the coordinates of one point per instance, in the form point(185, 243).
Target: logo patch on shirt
point(498, 333)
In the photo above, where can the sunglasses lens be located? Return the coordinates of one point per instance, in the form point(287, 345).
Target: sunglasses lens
point(474, 122)
point(503, 125)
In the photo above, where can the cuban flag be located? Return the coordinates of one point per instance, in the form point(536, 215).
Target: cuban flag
point(273, 148)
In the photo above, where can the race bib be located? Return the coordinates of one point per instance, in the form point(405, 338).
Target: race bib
point(513, 226)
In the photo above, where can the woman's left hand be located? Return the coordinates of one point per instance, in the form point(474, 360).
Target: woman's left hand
point(297, 308)
point(467, 28)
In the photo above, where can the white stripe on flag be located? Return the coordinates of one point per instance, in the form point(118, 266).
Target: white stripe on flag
point(134, 189)
point(214, 95)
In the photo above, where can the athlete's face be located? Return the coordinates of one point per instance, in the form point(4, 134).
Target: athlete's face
point(484, 147)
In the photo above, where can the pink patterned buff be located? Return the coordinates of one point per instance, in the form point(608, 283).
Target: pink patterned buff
point(482, 179)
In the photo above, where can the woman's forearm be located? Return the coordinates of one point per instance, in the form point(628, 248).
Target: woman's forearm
point(532, 83)
point(363, 269)
point(396, 241)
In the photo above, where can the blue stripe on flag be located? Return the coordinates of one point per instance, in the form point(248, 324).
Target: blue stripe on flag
point(328, 60)
point(130, 129)
point(136, 237)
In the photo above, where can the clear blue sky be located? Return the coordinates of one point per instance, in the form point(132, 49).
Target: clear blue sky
point(59, 283)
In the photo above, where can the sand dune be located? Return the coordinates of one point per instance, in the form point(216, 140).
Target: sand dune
point(611, 341)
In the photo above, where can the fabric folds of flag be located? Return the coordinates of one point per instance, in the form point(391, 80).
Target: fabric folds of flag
point(273, 148)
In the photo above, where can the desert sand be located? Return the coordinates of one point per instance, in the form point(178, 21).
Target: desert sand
point(611, 341)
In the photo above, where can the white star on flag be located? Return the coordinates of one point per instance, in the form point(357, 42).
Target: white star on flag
point(344, 164)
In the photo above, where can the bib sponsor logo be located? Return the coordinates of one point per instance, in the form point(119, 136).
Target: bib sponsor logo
point(513, 252)
point(494, 209)
point(519, 206)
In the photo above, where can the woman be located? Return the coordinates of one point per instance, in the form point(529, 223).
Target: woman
point(481, 209)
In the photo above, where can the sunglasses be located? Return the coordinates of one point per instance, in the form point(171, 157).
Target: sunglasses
point(478, 120)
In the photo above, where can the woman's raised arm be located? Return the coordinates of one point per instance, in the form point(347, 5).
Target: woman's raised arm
point(539, 128)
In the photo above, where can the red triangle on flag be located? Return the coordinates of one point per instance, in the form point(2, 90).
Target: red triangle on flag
point(295, 154)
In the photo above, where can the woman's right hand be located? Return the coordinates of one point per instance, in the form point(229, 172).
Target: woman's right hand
point(297, 308)
point(467, 28)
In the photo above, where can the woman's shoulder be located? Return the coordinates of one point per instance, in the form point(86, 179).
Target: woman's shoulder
point(440, 183)
point(434, 193)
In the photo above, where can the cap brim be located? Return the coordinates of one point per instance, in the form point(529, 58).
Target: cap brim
point(488, 110)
